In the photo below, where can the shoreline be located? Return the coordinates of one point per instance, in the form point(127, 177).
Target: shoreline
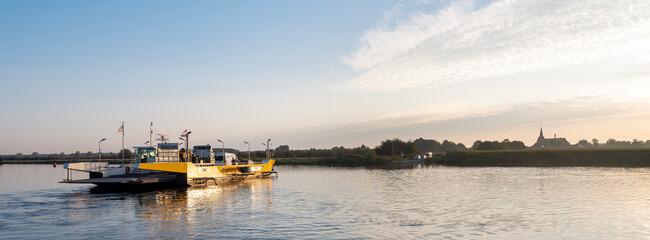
point(60, 161)
point(629, 158)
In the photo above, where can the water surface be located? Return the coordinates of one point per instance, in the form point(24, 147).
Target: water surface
point(340, 203)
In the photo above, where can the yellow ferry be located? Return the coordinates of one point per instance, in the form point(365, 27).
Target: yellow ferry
point(201, 173)
point(165, 165)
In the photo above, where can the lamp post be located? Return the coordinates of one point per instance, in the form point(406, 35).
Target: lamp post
point(268, 145)
point(185, 146)
point(100, 148)
point(268, 149)
point(223, 151)
point(249, 150)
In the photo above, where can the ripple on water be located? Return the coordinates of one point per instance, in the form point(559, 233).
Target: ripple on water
point(344, 203)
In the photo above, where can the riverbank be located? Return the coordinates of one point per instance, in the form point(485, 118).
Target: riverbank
point(348, 160)
point(61, 161)
point(323, 161)
point(548, 158)
point(513, 158)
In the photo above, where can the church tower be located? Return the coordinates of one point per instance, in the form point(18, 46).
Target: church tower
point(541, 141)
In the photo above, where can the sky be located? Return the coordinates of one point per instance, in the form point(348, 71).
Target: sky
point(319, 74)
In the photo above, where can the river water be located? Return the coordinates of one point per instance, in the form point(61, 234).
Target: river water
point(429, 202)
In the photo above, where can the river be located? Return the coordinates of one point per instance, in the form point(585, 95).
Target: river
point(429, 202)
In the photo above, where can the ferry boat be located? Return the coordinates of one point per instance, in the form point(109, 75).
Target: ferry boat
point(165, 165)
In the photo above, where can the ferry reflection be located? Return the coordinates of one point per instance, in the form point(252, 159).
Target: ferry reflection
point(188, 209)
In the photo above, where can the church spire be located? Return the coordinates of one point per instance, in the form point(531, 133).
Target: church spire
point(541, 133)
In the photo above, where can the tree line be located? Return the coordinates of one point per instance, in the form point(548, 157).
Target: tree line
point(76, 155)
point(612, 143)
point(387, 149)
point(397, 148)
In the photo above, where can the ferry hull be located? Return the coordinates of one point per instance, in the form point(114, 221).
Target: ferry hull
point(198, 174)
point(174, 174)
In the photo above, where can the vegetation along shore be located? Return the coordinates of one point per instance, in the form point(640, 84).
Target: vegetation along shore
point(548, 158)
point(547, 152)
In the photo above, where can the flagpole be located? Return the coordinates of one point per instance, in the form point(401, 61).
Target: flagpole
point(150, 133)
point(122, 143)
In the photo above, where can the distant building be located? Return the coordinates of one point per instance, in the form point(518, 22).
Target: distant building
point(550, 143)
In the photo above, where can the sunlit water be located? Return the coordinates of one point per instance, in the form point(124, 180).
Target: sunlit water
point(339, 203)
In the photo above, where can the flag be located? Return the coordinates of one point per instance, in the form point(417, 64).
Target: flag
point(121, 128)
point(184, 134)
point(163, 137)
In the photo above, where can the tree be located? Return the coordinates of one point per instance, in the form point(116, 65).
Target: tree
point(34, 153)
point(476, 144)
point(611, 143)
point(127, 154)
point(427, 145)
point(491, 145)
point(506, 144)
point(394, 147)
point(517, 145)
point(282, 148)
point(364, 148)
point(448, 146)
point(371, 156)
point(282, 151)
point(77, 154)
point(461, 146)
point(594, 143)
point(584, 143)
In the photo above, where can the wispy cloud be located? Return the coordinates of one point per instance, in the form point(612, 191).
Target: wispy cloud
point(561, 109)
point(443, 112)
point(463, 42)
point(467, 122)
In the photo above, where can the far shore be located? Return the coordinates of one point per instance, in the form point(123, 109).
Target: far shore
point(634, 158)
point(624, 157)
point(60, 161)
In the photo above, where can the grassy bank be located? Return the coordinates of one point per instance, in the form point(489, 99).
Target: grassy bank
point(549, 158)
point(60, 161)
point(349, 160)
point(514, 158)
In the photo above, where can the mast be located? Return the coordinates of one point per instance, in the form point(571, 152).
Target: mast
point(122, 142)
point(150, 134)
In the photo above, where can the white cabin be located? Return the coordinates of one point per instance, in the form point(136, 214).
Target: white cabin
point(231, 158)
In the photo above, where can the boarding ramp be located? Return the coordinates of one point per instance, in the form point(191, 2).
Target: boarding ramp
point(97, 169)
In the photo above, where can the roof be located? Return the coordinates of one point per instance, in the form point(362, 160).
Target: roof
point(168, 145)
point(147, 147)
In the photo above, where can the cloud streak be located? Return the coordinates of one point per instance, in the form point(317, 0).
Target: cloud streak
point(469, 122)
point(462, 43)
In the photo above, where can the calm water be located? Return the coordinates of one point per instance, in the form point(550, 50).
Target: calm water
point(330, 203)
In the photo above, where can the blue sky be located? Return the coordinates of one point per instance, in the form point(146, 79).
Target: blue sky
point(320, 73)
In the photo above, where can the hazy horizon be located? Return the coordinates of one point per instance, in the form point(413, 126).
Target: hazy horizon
point(321, 74)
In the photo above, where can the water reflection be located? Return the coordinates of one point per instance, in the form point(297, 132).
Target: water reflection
point(189, 211)
point(342, 203)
